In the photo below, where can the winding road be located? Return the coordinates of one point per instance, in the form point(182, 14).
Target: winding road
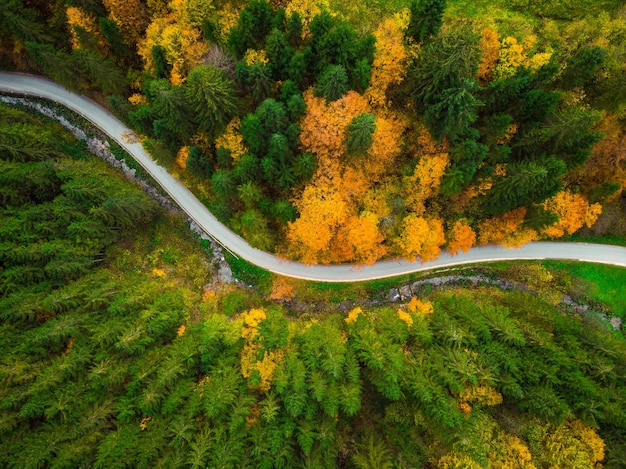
point(28, 85)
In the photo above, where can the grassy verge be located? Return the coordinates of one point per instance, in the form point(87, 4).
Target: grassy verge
point(249, 273)
point(605, 283)
point(600, 239)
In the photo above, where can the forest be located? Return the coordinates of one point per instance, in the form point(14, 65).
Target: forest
point(120, 350)
point(396, 130)
point(393, 130)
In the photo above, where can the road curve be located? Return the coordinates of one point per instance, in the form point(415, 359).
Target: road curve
point(29, 85)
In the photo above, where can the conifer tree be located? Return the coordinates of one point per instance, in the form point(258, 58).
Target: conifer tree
point(426, 19)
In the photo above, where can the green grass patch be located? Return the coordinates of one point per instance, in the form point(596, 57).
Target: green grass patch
point(249, 273)
point(600, 239)
point(605, 283)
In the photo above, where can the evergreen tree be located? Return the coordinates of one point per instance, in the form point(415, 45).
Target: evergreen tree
point(253, 25)
point(103, 73)
point(162, 68)
point(279, 53)
point(294, 30)
point(426, 18)
point(171, 103)
point(123, 53)
point(360, 132)
point(211, 94)
point(582, 66)
point(332, 83)
point(198, 163)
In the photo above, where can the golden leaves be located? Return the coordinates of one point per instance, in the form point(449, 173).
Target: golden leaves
point(421, 237)
point(573, 210)
point(266, 367)
point(421, 308)
point(181, 157)
point(232, 139)
point(461, 237)
point(322, 209)
point(405, 317)
point(425, 181)
point(490, 45)
point(390, 61)
point(496, 229)
point(80, 18)
point(182, 42)
point(353, 315)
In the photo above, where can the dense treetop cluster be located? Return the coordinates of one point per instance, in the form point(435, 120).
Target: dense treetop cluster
point(397, 130)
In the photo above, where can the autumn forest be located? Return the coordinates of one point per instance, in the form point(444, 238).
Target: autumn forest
point(326, 132)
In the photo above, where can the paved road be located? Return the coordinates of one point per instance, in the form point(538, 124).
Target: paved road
point(35, 86)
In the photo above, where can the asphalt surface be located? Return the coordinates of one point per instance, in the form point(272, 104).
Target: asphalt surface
point(28, 85)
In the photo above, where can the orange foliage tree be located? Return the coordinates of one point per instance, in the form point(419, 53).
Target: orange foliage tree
point(385, 147)
point(506, 229)
point(573, 210)
point(323, 128)
point(421, 237)
point(343, 234)
point(608, 158)
point(390, 61)
point(461, 237)
point(359, 239)
point(322, 210)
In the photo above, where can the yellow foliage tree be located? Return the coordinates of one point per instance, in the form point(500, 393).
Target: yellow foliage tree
point(181, 157)
point(573, 210)
point(421, 308)
point(375, 200)
point(195, 12)
point(253, 55)
point(425, 181)
point(490, 45)
point(510, 453)
point(386, 146)
point(307, 9)
point(353, 315)
point(266, 367)
point(182, 42)
point(513, 54)
point(405, 317)
point(457, 461)
point(421, 237)
point(130, 16)
point(481, 394)
point(572, 444)
point(79, 18)
point(390, 61)
point(461, 237)
point(232, 140)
